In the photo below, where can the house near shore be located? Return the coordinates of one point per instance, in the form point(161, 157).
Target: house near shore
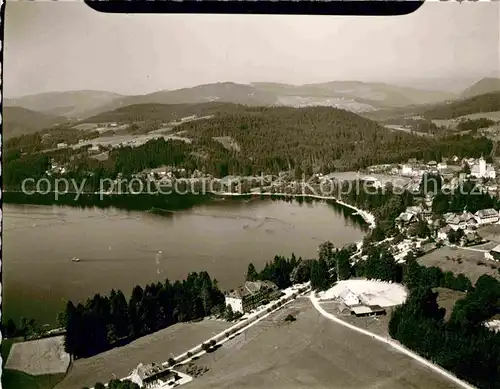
point(487, 216)
point(460, 220)
point(411, 216)
point(406, 220)
point(419, 211)
point(250, 295)
point(154, 376)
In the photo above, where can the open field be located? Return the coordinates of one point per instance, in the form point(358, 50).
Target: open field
point(468, 266)
point(490, 232)
point(12, 379)
point(39, 357)
point(312, 352)
point(157, 347)
point(452, 123)
point(369, 292)
point(129, 139)
point(494, 115)
point(447, 298)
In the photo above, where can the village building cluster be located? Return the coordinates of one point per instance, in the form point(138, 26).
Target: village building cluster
point(448, 168)
point(465, 221)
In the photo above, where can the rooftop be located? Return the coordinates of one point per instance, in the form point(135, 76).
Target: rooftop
point(405, 216)
point(490, 212)
point(459, 218)
point(252, 287)
point(149, 370)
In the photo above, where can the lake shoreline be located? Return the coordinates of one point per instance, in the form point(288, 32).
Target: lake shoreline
point(368, 218)
point(120, 249)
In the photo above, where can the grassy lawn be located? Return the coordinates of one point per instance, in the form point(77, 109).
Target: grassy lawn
point(490, 232)
point(472, 264)
point(311, 352)
point(157, 347)
point(12, 379)
point(18, 380)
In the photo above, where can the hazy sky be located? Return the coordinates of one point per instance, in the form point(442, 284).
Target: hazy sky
point(68, 46)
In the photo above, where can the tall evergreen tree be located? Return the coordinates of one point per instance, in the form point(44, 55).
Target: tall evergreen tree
point(251, 273)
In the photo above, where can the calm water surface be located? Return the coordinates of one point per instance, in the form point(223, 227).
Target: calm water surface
point(120, 249)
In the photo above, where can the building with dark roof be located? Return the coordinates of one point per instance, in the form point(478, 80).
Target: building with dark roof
point(460, 220)
point(250, 295)
point(371, 310)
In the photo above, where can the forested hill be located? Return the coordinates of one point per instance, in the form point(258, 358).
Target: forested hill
point(483, 103)
point(324, 138)
point(252, 140)
point(18, 121)
point(483, 86)
point(315, 136)
point(488, 102)
point(72, 104)
point(162, 112)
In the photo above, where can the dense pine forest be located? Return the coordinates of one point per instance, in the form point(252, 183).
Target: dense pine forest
point(162, 112)
point(104, 322)
point(462, 344)
point(107, 321)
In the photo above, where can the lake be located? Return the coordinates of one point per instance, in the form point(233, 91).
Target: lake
point(120, 249)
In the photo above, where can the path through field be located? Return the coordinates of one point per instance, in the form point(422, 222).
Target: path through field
point(312, 352)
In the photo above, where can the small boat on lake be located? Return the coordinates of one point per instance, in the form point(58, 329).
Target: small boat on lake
point(75, 259)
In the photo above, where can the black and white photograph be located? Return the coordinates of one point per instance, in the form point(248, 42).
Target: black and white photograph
point(238, 201)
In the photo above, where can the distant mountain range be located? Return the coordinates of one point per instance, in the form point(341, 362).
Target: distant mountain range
point(73, 104)
point(488, 102)
point(352, 95)
point(482, 96)
point(369, 98)
point(18, 121)
point(486, 85)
